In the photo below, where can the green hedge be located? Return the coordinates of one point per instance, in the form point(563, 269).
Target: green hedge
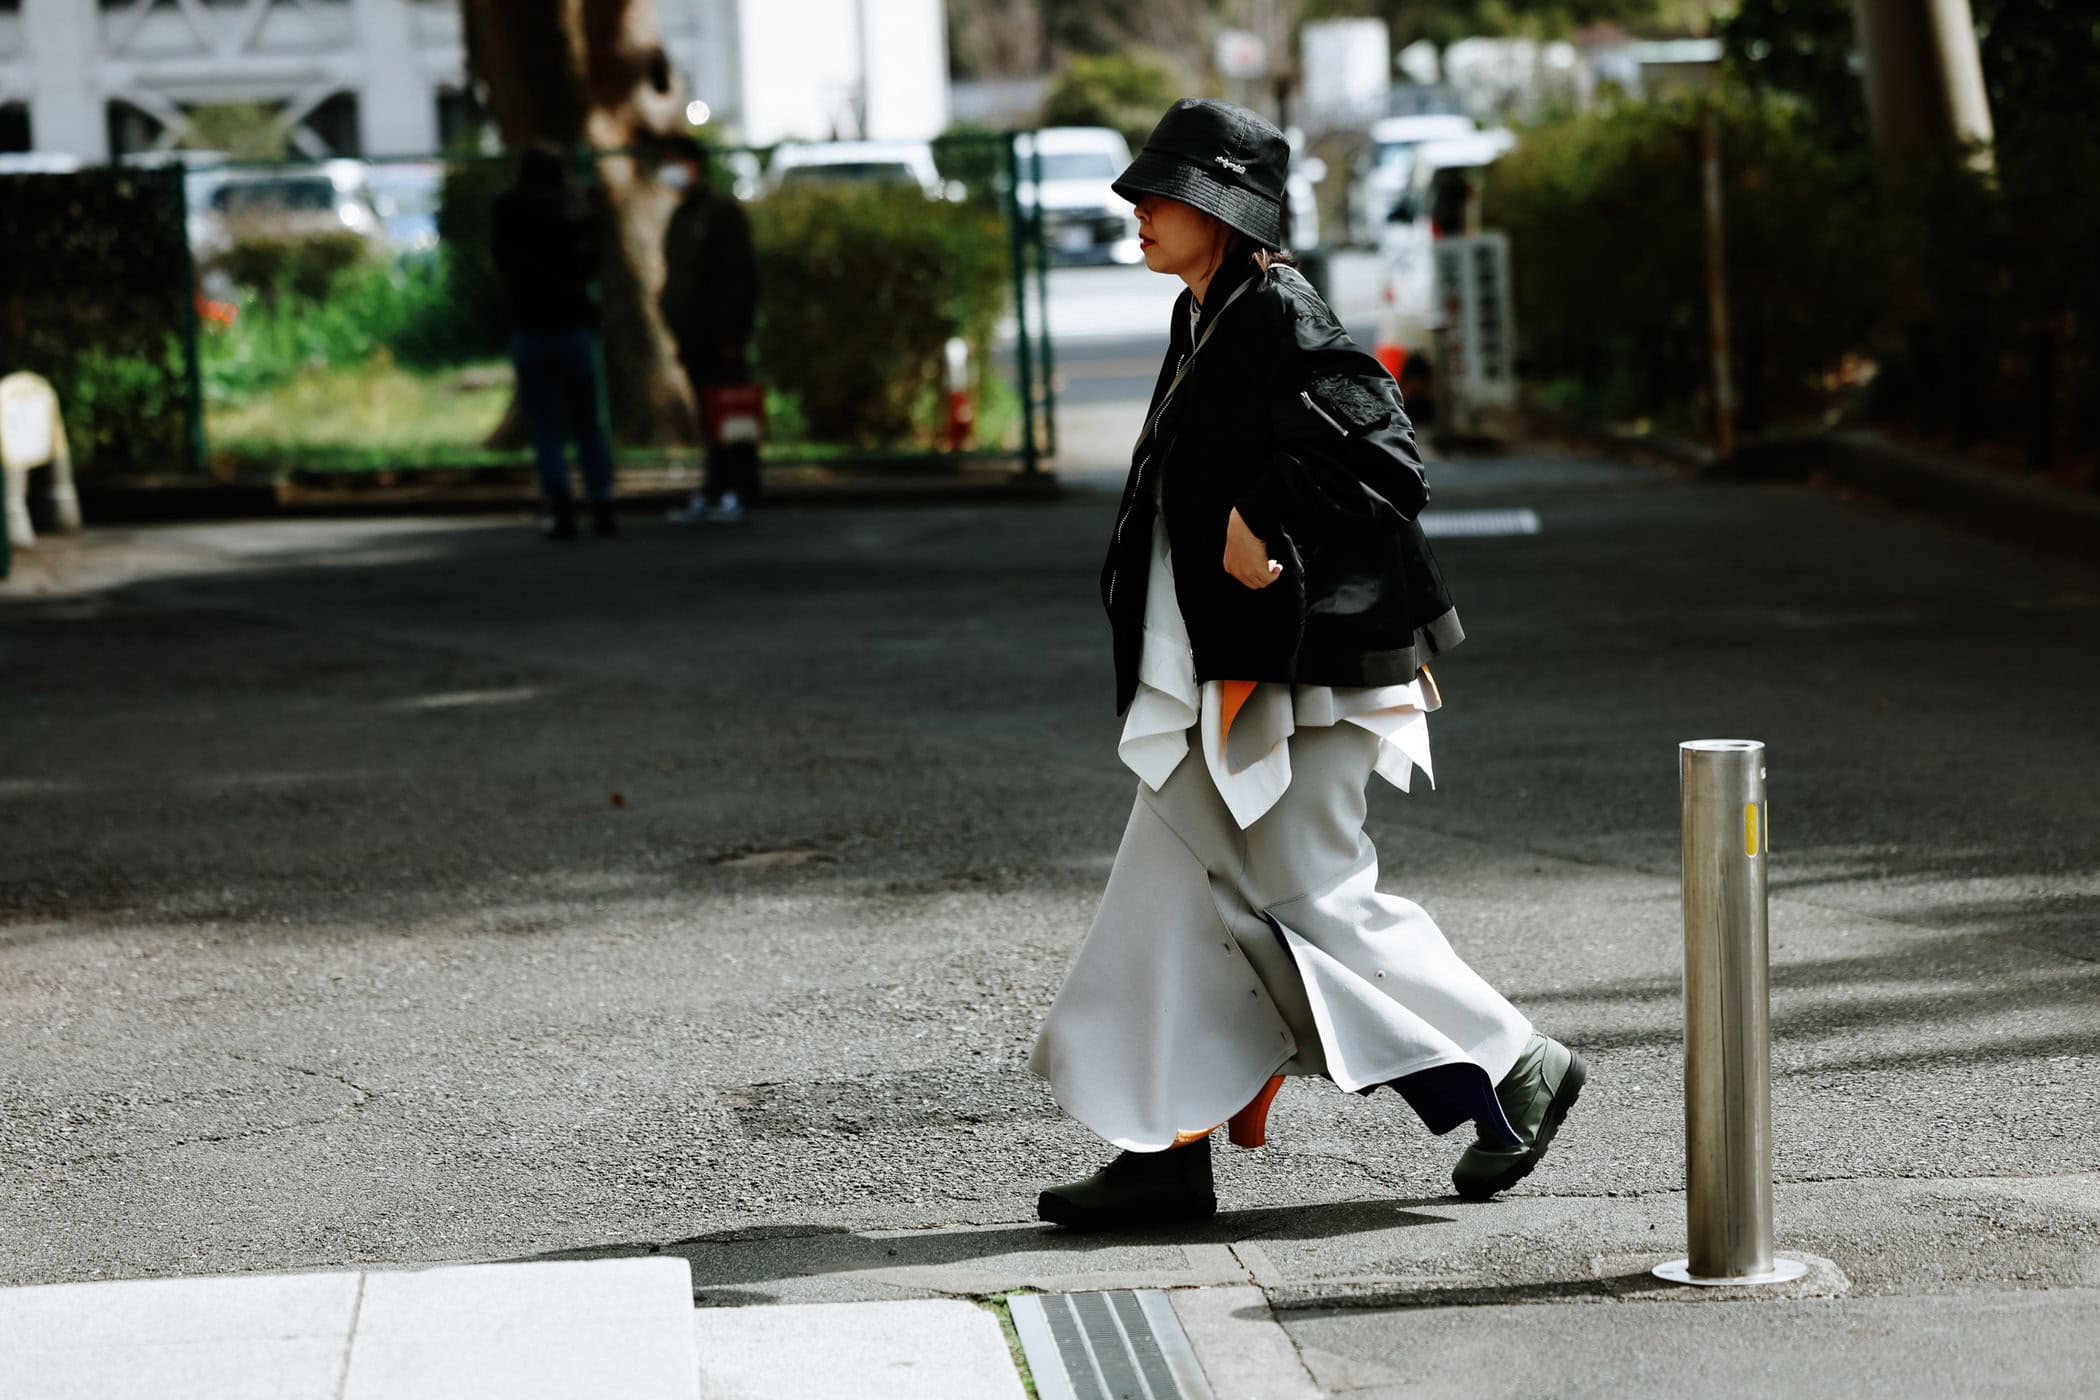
point(95, 296)
point(859, 292)
point(1607, 249)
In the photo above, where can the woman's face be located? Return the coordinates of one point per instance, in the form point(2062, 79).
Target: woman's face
point(1178, 239)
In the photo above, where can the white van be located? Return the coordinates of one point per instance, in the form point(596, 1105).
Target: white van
point(1388, 164)
point(1444, 178)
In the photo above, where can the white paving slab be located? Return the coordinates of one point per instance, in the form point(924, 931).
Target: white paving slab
point(618, 1329)
point(918, 1350)
point(597, 1330)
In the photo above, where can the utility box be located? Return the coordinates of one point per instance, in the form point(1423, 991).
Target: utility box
point(1476, 345)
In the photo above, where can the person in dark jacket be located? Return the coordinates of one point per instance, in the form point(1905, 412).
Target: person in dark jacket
point(1273, 604)
point(545, 239)
point(709, 301)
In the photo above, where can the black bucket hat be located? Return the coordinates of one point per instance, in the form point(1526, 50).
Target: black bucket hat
point(1225, 160)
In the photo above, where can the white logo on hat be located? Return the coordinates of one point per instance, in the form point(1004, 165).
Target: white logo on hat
point(1230, 164)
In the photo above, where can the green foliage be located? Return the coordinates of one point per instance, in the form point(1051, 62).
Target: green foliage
point(271, 263)
point(1998, 288)
point(241, 130)
point(94, 296)
point(977, 156)
point(1800, 52)
point(1608, 264)
point(125, 408)
point(407, 313)
point(1125, 91)
point(862, 289)
point(1448, 21)
point(466, 201)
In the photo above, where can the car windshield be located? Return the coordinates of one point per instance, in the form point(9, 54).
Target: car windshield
point(1081, 165)
point(301, 196)
point(1396, 155)
point(865, 172)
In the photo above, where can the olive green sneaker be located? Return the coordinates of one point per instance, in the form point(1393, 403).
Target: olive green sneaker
point(1536, 1095)
point(1136, 1191)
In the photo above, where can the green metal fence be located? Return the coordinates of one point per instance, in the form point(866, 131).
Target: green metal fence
point(346, 319)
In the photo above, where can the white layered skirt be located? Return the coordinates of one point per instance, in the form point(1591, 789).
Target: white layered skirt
point(1243, 934)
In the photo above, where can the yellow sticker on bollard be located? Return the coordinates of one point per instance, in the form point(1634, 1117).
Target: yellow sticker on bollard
point(1750, 828)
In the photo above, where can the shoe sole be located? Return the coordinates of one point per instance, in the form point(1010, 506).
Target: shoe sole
point(1055, 1210)
point(1556, 1111)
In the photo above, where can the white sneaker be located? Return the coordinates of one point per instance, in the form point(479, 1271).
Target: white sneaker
point(692, 512)
point(726, 511)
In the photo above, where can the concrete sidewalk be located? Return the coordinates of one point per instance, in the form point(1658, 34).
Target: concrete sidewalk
point(1364, 1299)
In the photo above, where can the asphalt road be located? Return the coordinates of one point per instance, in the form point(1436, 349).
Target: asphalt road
point(399, 891)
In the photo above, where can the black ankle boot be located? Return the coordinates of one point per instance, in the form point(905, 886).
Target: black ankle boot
point(1136, 1190)
point(605, 523)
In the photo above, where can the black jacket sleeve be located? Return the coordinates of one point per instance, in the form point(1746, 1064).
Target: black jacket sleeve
point(733, 266)
point(1343, 454)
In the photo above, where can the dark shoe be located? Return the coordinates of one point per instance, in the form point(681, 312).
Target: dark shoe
point(1136, 1190)
point(605, 521)
point(558, 520)
point(1535, 1095)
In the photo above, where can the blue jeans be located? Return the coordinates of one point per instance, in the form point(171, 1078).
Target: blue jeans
point(560, 384)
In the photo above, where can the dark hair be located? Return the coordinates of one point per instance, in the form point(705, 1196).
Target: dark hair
point(1242, 246)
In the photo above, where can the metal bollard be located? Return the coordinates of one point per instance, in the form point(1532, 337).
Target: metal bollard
point(1727, 1020)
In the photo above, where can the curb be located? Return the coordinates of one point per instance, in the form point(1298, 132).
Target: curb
point(1986, 500)
point(148, 500)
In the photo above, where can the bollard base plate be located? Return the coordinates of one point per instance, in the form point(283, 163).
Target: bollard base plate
point(1680, 1271)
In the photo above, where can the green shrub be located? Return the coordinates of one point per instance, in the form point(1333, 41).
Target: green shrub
point(126, 409)
point(474, 287)
point(1607, 258)
point(1126, 91)
point(288, 264)
point(860, 290)
point(978, 156)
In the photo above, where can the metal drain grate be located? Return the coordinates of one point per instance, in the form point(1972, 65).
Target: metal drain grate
point(1479, 524)
point(1125, 1345)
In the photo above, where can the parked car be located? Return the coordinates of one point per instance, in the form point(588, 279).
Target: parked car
point(1387, 165)
point(1084, 219)
point(333, 197)
point(798, 164)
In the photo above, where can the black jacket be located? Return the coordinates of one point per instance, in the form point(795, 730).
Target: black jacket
point(710, 295)
point(545, 243)
point(1283, 417)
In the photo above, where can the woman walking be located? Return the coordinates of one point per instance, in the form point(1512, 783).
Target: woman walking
point(1273, 602)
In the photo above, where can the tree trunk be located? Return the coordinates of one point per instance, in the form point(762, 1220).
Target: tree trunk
point(594, 72)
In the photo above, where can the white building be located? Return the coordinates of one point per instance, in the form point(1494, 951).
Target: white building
point(100, 78)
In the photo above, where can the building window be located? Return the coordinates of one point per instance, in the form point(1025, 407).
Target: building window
point(14, 123)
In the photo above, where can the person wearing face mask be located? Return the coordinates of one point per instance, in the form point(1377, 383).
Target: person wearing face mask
point(1273, 605)
point(709, 301)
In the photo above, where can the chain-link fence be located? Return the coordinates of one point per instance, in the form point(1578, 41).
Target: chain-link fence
point(348, 318)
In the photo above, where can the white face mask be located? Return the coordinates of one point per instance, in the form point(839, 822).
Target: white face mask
point(676, 177)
